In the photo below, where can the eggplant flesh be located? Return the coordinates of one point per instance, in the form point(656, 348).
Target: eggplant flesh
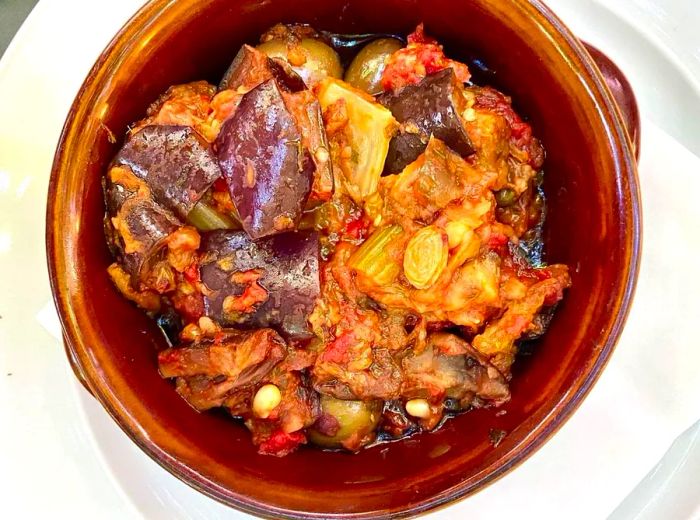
point(175, 162)
point(432, 107)
point(268, 171)
point(288, 267)
point(209, 370)
point(137, 231)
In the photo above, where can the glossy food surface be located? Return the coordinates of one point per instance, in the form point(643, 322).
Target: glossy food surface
point(589, 161)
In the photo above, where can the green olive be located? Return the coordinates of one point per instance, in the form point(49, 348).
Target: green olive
point(313, 60)
point(505, 197)
point(357, 419)
point(365, 71)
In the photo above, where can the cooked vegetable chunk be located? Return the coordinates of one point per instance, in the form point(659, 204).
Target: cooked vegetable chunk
point(212, 368)
point(433, 107)
point(268, 283)
point(282, 431)
point(187, 104)
point(425, 257)
point(137, 228)
point(497, 342)
point(269, 173)
point(450, 367)
point(428, 185)
point(175, 162)
point(306, 111)
point(359, 130)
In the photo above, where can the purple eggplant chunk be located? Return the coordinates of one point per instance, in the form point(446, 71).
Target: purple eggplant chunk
point(175, 162)
point(252, 67)
point(432, 107)
point(137, 233)
point(268, 171)
point(288, 270)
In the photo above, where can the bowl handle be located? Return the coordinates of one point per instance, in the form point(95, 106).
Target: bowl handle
point(76, 368)
point(622, 92)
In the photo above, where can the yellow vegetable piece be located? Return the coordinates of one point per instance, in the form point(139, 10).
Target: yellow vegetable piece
point(379, 257)
point(360, 149)
point(425, 257)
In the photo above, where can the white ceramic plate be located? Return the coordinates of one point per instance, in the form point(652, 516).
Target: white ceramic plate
point(63, 456)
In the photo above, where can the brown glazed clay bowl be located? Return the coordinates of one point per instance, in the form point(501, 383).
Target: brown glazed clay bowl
point(593, 226)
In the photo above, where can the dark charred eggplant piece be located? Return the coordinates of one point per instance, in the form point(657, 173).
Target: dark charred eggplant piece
point(136, 226)
point(267, 283)
point(268, 171)
point(209, 370)
point(143, 227)
point(451, 367)
point(252, 67)
point(175, 162)
point(432, 107)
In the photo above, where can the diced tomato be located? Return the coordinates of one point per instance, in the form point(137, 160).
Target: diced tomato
point(419, 36)
point(220, 185)
point(356, 228)
point(190, 306)
point(491, 99)
point(337, 351)
point(421, 57)
point(516, 325)
point(191, 274)
point(497, 241)
point(280, 443)
point(253, 294)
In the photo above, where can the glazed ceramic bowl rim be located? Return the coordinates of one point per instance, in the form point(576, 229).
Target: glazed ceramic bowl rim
point(78, 352)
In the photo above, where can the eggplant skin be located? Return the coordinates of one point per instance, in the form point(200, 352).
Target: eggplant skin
point(268, 170)
point(289, 267)
point(251, 67)
point(175, 162)
point(431, 107)
point(138, 233)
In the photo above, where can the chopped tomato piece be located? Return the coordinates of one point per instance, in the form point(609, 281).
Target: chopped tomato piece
point(280, 443)
point(220, 185)
point(253, 294)
point(356, 228)
point(421, 57)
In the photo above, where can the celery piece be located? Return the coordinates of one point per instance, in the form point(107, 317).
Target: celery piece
point(379, 257)
point(206, 218)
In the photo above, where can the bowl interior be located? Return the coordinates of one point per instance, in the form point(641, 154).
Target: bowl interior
point(591, 225)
